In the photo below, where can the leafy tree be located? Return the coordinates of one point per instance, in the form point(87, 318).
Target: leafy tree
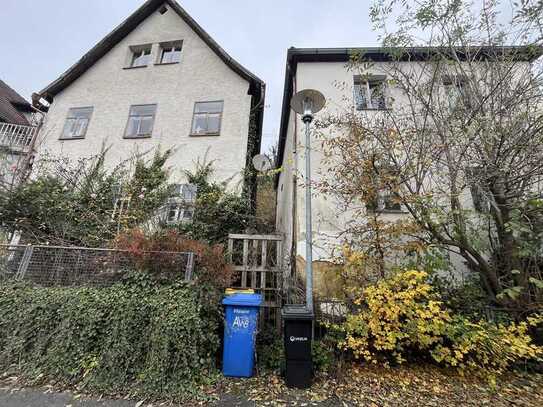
point(84, 204)
point(217, 211)
point(461, 149)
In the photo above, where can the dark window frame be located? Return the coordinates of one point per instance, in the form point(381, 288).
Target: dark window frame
point(194, 113)
point(143, 135)
point(383, 201)
point(367, 82)
point(71, 116)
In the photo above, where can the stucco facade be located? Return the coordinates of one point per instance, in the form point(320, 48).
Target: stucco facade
point(110, 87)
point(327, 71)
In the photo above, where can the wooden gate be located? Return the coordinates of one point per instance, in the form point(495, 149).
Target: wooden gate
point(257, 261)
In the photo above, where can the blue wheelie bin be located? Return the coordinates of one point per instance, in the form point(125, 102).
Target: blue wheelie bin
point(240, 334)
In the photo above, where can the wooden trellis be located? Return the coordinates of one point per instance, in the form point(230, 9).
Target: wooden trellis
point(257, 261)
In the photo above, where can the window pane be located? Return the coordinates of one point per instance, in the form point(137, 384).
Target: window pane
point(213, 123)
point(77, 122)
point(80, 127)
point(208, 107)
point(166, 54)
point(142, 110)
point(189, 192)
point(141, 58)
point(176, 55)
point(170, 55)
point(360, 96)
point(188, 213)
point(67, 132)
point(199, 124)
point(146, 125)
point(377, 95)
point(173, 213)
point(132, 128)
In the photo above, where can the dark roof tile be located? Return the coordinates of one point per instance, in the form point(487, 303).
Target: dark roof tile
point(12, 106)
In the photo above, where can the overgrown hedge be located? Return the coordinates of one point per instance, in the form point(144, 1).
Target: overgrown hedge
point(139, 336)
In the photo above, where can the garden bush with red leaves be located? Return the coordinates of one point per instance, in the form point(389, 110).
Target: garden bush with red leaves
point(158, 255)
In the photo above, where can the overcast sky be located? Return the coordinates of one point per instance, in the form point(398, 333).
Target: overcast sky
point(40, 39)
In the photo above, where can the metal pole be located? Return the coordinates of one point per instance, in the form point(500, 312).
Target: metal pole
point(308, 229)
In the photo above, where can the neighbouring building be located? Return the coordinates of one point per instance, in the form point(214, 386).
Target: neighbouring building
point(18, 128)
point(325, 69)
point(158, 80)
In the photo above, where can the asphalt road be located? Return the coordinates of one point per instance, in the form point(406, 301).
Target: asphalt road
point(29, 397)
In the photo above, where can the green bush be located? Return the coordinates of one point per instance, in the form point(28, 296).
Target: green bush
point(402, 316)
point(139, 336)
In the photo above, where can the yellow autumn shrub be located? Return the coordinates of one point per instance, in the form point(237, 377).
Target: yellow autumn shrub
point(403, 314)
point(396, 314)
point(485, 346)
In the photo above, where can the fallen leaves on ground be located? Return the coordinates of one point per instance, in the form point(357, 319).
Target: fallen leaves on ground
point(398, 386)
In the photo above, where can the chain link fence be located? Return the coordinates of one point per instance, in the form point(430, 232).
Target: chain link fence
point(74, 266)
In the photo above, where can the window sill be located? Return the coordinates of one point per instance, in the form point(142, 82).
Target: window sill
point(71, 138)
point(135, 67)
point(166, 63)
point(204, 134)
point(137, 137)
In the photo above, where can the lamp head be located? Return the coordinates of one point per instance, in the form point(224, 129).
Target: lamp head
point(307, 102)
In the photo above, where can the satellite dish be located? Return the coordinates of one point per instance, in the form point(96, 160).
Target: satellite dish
point(262, 163)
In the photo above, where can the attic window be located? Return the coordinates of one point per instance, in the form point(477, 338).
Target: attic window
point(141, 56)
point(163, 10)
point(170, 52)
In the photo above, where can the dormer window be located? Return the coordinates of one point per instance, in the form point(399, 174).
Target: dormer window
point(141, 56)
point(170, 52)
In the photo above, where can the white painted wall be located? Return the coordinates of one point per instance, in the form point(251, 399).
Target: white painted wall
point(110, 89)
point(336, 83)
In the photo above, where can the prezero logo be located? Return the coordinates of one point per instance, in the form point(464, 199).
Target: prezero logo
point(298, 339)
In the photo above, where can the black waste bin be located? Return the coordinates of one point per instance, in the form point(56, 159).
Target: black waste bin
point(298, 330)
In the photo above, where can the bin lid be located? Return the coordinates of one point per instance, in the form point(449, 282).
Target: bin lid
point(248, 300)
point(296, 311)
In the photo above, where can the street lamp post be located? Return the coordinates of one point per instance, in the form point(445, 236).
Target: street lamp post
point(308, 102)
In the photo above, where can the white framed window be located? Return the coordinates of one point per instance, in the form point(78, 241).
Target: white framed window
point(369, 93)
point(207, 118)
point(181, 203)
point(141, 119)
point(170, 53)
point(77, 122)
point(141, 56)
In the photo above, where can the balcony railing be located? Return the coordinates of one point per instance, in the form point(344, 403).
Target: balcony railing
point(16, 136)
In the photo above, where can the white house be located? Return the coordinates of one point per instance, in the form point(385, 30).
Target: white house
point(158, 80)
point(325, 69)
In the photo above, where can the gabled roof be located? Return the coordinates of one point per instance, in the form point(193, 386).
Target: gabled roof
point(12, 106)
point(114, 37)
point(295, 55)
